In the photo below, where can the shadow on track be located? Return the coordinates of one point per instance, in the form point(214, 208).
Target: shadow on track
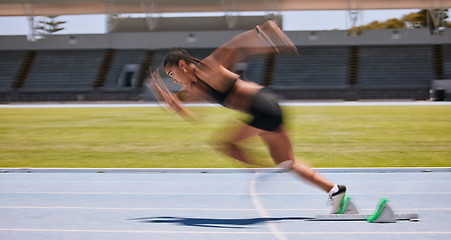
point(214, 222)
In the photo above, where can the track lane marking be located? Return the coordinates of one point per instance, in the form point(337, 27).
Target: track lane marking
point(215, 232)
point(208, 209)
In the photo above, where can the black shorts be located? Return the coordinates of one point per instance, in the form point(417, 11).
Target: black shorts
point(265, 110)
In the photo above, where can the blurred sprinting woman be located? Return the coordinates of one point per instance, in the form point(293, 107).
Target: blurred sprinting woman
point(212, 80)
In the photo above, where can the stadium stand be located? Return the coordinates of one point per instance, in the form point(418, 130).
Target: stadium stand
point(316, 67)
point(63, 70)
point(322, 71)
point(395, 66)
point(447, 61)
point(395, 72)
point(254, 69)
point(10, 62)
point(121, 59)
point(377, 64)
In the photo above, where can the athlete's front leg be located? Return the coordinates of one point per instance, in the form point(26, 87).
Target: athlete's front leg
point(230, 144)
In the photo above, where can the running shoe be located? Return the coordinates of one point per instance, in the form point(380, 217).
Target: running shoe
point(336, 199)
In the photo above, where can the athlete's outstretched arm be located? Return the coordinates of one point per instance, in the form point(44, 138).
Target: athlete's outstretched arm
point(153, 83)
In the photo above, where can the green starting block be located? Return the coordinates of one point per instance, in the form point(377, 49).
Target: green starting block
point(383, 214)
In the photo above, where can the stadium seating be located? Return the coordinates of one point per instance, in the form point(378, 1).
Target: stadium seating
point(315, 67)
point(122, 58)
point(255, 66)
point(447, 61)
point(395, 66)
point(10, 62)
point(63, 70)
point(383, 71)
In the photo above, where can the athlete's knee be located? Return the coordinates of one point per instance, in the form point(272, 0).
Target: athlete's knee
point(286, 165)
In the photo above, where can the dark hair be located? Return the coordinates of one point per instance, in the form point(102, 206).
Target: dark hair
point(177, 54)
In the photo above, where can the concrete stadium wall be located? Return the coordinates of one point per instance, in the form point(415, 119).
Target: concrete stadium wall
point(212, 39)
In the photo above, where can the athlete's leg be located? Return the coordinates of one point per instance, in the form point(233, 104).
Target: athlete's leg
point(263, 39)
point(271, 33)
point(229, 145)
point(238, 48)
point(281, 150)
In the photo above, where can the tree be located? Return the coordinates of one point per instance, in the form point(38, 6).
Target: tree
point(49, 26)
point(434, 19)
point(393, 23)
point(422, 19)
point(416, 20)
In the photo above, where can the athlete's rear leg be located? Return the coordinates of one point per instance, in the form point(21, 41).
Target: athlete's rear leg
point(281, 150)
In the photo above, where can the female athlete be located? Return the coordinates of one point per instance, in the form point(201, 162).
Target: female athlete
point(212, 80)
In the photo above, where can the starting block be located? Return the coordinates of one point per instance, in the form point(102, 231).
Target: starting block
point(383, 214)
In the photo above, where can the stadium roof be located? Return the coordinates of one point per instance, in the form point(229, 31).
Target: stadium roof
point(74, 7)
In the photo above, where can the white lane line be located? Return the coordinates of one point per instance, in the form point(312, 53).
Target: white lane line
point(158, 209)
point(219, 232)
point(58, 182)
point(205, 209)
point(209, 193)
point(147, 193)
point(261, 209)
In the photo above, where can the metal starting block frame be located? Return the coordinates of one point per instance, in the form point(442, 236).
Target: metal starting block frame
point(383, 214)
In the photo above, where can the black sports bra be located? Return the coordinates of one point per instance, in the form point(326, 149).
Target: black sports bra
point(215, 94)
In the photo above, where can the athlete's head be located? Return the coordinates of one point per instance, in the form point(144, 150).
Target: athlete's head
point(179, 65)
point(176, 54)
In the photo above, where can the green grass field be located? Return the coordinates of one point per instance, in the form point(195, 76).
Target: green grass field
point(335, 136)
